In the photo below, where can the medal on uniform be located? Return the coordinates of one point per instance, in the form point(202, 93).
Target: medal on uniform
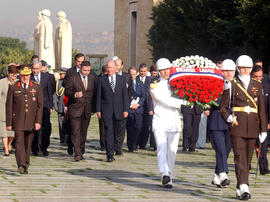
point(255, 99)
point(34, 99)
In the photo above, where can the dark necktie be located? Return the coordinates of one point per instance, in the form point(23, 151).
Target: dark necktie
point(112, 84)
point(24, 86)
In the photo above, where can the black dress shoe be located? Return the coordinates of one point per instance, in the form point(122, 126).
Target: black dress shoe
point(6, 154)
point(245, 196)
point(264, 172)
point(25, 171)
point(166, 179)
point(77, 158)
point(119, 153)
point(21, 170)
point(70, 151)
point(130, 150)
point(45, 153)
point(142, 147)
point(82, 158)
point(110, 159)
point(184, 150)
point(102, 148)
point(225, 182)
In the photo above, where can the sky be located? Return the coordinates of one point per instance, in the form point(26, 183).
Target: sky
point(83, 14)
point(92, 21)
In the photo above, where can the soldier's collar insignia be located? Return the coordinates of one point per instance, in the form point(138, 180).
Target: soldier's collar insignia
point(19, 84)
point(30, 84)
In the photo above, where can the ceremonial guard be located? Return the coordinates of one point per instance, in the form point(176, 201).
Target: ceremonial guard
point(166, 122)
point(246, 122)
point(24, 115)
point(219, 131)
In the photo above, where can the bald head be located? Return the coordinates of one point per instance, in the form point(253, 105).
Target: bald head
point(119, 65)
point(111, 67)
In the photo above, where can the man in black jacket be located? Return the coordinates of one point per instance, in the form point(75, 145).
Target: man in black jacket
point(46, 127)
point(112, 107)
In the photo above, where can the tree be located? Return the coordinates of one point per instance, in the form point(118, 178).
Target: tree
point(12, 50)
point(210, 28)
point(255, 17)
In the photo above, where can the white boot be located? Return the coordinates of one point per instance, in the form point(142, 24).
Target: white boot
point(223, 178)
point(244, 192)
point(215, 180)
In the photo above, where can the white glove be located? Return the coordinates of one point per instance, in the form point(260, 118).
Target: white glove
point(262, 136)
point(231, 119)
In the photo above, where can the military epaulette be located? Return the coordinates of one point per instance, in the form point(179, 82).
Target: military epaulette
point(256, 80)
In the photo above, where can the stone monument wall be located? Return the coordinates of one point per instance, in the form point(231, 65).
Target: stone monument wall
point(126, 13)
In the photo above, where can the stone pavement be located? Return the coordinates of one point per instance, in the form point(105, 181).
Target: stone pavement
point(132, 177)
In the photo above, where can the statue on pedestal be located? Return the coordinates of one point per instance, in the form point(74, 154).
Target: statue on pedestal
point(43, 36)
point(36, 34)
point(63, 42)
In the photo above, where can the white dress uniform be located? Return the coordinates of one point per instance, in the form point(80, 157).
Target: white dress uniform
point(166, 125)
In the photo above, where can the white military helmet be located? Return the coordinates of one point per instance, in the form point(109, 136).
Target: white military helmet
point(61, 14)
point(228, 64)
point(46, 12)
point(244, 61)
point(163, 63)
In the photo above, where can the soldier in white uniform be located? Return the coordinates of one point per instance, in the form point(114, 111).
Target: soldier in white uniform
point(166, 122)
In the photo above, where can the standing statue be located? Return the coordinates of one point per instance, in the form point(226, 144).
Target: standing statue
point(36, 34)
point(63, 42)
point(45, 34)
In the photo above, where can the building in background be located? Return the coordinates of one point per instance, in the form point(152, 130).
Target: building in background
point(131, 26)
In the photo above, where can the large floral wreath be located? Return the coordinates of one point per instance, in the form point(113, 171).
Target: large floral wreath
point(197, 80)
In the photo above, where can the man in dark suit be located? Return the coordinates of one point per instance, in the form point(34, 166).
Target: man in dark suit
point(79, 58)
point(46, 127)
point(80, 90)
point(44, 68)
point(257, 73)
point(145, 131)
point(23, 115)
point(112, 106)
point(118, 145)
point(100, 121)
point(191, 121)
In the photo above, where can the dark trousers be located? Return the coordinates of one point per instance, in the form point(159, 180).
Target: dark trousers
point(23, 147)
point(134, 125)
point(112, 127)
point(190, 130)
point(263, 162)
point(46, 129)
point(67, 130)
point(61, 125)
point(120, 136)
point(243, 151)
point(152, 137)
point(222, 141)
point(101, 133)
point(79, 126)
point(144, 134)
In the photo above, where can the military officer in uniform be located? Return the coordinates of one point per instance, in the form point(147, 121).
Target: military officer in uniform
point(246, 122)
point(166, 122)
point(219, 131)
point(24, 115)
